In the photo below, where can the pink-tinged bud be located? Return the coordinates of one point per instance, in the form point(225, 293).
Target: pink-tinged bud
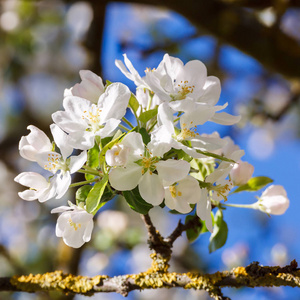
point(241, 172)
point(274, 200)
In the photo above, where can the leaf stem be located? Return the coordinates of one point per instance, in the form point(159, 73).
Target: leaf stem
point(83, 182)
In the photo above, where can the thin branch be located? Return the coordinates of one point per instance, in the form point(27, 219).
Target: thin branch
point(192, 223)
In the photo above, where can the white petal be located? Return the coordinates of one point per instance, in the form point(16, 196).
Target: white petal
point(76, 162)
point(190, 189)
point(61, 140)
point(212, 91)
point(61, 209)
point(114, 101)
point(204, 209)
point(151, 188)
point(32, 180)
point(109, 128)
point(127, 178)
point(173, 170)
point(134, 142)
point(199, 116)
point(224, 118)
point(88, 231)
point(62, 184)
point(29, 195)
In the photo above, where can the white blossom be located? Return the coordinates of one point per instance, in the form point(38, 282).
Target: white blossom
point(74, 225)
point(140, 171)
point(83, 120)
point(273, 200)
point(179, 195)
point(241, 172)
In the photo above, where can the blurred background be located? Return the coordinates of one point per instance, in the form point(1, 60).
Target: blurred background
point(252, 46)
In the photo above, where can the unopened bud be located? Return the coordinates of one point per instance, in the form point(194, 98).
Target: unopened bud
point(273, 200)
point(241, 172)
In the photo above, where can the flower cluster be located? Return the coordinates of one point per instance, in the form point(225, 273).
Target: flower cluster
point(147, 147)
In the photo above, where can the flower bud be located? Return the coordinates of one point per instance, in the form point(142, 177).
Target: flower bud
point(273, 200)
point(241, 172)
point(117, 155)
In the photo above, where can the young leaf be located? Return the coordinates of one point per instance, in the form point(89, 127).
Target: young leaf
point(82, 193)
point(147, 115)
point(219, 236)
point(145, 135)
point(133, 103)
point(94, 197)
point(215, 156)
point(136, 202)
point(193, 233)
point(254, 184)
point(92, 160)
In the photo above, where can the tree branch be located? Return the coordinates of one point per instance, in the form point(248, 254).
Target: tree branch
point(240, 28)
point(251, 276)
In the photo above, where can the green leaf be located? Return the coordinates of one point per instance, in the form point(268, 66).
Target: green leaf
point(136, 202)
point(82, 193)
point(216, 156)
point(145, 135)
point(193, 233)
point(182, 155)
point(219, 236)
point(147, 115)
point(94, 197)
point(133, 103)
point(254, 184)
point(92, 160)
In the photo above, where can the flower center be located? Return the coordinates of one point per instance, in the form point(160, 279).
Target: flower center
point(187, 132)
point(54, 162)
point(174, 192)
point(223, 190)
point(93, 118)
point(148, 163)
point(184, 89)
point(76, 226)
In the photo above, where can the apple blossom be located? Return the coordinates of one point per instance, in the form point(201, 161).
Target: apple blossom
point(179, 195)
point(273, 200)
point(74, 225)
point(140, 171)
point(83, 120)
point(241, 172)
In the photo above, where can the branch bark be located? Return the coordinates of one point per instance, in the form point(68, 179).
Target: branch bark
point(250, 276)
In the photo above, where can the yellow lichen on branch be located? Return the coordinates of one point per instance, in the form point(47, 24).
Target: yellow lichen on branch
point(56, 281)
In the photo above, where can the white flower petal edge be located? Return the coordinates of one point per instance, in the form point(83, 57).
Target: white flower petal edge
point(74, 225)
